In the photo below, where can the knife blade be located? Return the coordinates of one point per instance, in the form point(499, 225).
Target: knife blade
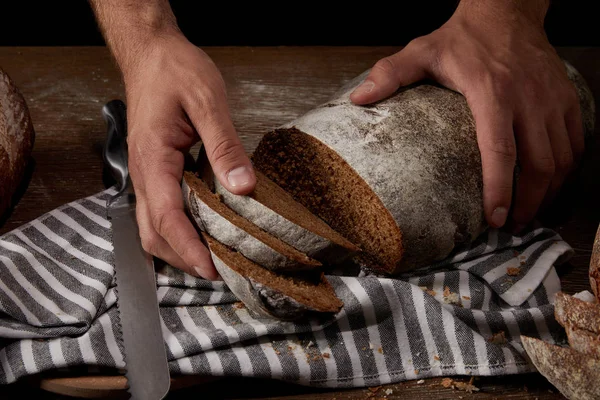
point(146, 363)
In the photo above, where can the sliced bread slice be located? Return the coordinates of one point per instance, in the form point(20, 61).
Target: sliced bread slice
point(575, 374)
point(274, 210)
point(269, 294)
point(225, 225)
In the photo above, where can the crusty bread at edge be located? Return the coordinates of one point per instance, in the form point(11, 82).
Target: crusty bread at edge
point(274, 210)
point(569, 310)
point(222, 223)
point(270, 294)
point(16, 139)
point(401, 178)
point(595, 266)
point(575, 374)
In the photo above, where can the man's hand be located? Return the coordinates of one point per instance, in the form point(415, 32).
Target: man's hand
point(497, 55)
point(175, 96)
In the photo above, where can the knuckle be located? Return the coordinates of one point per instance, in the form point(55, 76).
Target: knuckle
point(420, 45)
point(225, 149)
point(150, 243)
point(160, 221)
point(544, 167)
point(504, 149)
point(385, 66)
point(187, 248)
point(564, 161)
point(570, 96)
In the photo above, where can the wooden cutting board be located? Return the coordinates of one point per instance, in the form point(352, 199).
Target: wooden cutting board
point(108, 387)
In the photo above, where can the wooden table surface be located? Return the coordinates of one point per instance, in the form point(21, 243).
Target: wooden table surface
point(66, 87)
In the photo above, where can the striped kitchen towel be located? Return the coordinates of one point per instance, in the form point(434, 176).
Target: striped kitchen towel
point(461, 316)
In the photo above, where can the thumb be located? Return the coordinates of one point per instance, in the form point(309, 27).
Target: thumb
point(407, 66)
point(225, 152)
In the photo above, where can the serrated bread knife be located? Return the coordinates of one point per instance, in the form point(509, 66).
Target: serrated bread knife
point(147, 370)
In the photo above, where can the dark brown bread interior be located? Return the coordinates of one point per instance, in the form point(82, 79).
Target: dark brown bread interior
point(212, 200)
point(322, 181)
point(310, 289)
point(281, 202)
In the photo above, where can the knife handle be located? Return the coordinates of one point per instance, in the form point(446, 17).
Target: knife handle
point(115, 149)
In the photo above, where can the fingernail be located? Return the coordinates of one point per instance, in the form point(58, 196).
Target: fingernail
point(199, 271)
point(499, 216)
point(239, 176)
point(365, 88)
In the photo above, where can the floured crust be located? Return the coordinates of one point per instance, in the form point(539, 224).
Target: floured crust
point(16, 139)
point(256, 287)
point(575, 374)
point(417, 151)
point(584, 341)
point(579, 314)
point(244, 240)
point(315, 246)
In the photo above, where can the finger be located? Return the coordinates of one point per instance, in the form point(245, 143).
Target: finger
point(153, 243)
point(166, 212)
point(496, 141)
point(563, 157)
point(407, 66)
point(574, 126)
point(537, 168)
point(224, 149)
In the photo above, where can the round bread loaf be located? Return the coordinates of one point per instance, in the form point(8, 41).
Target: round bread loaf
point(16, 139)
point(401, 178)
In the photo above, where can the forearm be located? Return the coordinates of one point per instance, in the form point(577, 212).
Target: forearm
point(129, 27)
point(506, 10)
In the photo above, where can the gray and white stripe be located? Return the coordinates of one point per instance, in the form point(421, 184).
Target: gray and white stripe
point(58, 311)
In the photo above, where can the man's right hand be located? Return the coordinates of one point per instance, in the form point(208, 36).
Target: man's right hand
point(175, 96)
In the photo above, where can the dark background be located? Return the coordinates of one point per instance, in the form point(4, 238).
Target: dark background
point(71, 22)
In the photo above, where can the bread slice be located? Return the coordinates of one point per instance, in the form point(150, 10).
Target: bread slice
point(270, 294)
point(401, 178)
point(576, 375)
point(579, 314)
point(274, 210)
point(595, 266)
point(222, 223)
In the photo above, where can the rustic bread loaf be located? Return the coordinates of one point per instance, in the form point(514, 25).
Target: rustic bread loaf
point(270, 294)
point(275, 211)
point(401, 178)
point(575, 374)
point(222, 223)
point(16, 139)
point(595, 266)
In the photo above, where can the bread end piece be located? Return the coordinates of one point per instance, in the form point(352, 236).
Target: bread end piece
point(268, 294)
point(576, 375)
point(579, 314)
